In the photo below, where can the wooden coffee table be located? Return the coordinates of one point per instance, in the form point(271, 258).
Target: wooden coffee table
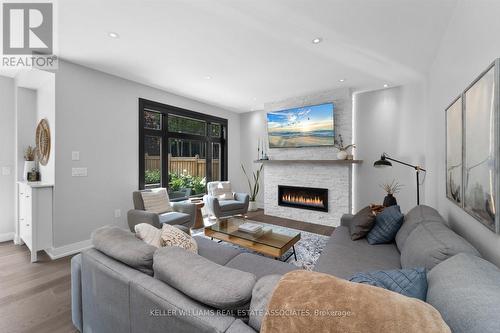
point(274, 242)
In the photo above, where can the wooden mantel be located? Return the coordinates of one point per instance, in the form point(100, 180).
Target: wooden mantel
point(341, 162)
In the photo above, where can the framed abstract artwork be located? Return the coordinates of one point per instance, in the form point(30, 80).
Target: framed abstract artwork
point(481, 148)
point(454, 151)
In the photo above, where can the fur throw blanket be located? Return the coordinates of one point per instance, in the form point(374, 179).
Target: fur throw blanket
point(316, 302)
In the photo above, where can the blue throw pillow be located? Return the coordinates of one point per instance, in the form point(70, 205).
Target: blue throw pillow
point(411, 282)
point(386, 226)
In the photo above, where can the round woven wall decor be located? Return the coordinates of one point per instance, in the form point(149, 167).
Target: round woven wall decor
point(43, 141)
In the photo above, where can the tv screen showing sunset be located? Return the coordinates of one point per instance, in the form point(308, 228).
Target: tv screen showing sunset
point(307, 126)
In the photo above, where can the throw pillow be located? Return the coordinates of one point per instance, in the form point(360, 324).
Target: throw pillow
point(411, 282)
point(361, 223)
point(148, 233)
point(222, 191)
point(386, 226)
point(156, 201)
point(172, 236)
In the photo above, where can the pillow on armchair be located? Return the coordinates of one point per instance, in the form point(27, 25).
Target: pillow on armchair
point(221, 190)
point(156, 201)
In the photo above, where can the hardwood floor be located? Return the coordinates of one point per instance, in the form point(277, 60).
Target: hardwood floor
point(309, 227)
point(34, 297)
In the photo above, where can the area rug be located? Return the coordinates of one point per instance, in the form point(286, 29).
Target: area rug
point(308, 248)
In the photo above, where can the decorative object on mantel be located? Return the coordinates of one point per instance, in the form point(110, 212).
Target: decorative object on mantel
point(254, 189)
point(261, 150)
point(43, 141)
point(29, 162)
point(342, 153)
point(384, 162)
point(391, 189)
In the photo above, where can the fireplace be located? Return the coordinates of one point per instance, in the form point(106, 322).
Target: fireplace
point(303, 197)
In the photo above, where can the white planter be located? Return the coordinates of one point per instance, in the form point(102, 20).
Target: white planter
point(252, 207)
point(28, 167)
point(342, 155)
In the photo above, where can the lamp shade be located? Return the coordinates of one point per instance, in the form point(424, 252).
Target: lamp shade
point(382, 163)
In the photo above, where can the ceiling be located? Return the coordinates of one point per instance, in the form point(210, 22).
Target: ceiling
point(255, 51)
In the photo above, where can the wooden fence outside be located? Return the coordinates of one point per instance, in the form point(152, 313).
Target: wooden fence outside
point(193, 166)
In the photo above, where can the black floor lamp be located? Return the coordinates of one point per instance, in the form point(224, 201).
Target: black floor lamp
point(384, 162)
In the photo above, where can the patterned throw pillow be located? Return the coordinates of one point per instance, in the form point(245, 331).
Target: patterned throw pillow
point(411, 282)
point(156, 201)
point(223, 191)
point(172, 236)
point(148, 233)
point(386, 226)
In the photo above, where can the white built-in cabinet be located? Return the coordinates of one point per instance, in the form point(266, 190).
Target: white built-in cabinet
point(35, 216)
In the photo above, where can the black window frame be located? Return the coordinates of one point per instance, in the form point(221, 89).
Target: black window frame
point(165, 110)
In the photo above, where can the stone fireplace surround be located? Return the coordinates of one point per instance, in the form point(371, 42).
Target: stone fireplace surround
point(312, 167)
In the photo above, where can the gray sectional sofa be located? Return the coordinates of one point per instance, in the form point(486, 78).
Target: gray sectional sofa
point(110, 296)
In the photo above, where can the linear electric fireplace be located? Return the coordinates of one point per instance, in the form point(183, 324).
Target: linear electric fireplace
point(303, 197)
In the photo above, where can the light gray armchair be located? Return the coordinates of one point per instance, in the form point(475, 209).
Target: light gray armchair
point(236, 205)
point(183, 215)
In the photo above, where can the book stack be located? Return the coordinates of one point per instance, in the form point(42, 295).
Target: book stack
point(251, 228)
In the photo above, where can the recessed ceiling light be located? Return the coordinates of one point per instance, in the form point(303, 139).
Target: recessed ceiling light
point(208, 77)
point(113, 35)
point(316, 40)
point(386, 85)
point(341, 80)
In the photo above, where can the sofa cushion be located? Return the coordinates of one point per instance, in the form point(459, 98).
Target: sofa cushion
point(408, 282)
point(416, 215)
point(386, 226)
point(227, 205)
point(259, 266)
point(218, 253)
point(203, 280)
point(343, 257)
point(123, 246)
point(174, 218)
point(149, 234)
point(431, 243)
point(172, 236)
point(261, 294)
point(361, 223)
point(465, 289)
point(156, 201)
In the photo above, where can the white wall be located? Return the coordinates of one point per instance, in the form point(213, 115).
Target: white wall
point(45, 106)
point(26, 125)
point(469, 45)
point(97, 115)
point(389, 120)
point(7, 158)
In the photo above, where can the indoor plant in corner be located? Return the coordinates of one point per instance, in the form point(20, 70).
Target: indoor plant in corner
point(254, 187)
point(391, 189)
point(29, 161)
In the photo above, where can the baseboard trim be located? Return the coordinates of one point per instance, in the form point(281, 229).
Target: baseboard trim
point(5, 237)
point(67, 250)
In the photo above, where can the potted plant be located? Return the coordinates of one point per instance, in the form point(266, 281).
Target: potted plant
point(391, 189)
point(339, 144)
point(254, 187)
point(29, 161)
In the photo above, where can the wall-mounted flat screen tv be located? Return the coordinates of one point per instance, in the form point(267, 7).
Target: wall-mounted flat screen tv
point(309, 126)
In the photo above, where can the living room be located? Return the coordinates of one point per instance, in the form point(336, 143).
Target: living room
point(179, 124)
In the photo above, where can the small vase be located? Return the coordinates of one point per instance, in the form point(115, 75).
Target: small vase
point(342, 155)
point(390, 200)
point(28, 167)
point(252, 206)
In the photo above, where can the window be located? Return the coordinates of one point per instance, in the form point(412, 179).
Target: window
point(180, 149)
